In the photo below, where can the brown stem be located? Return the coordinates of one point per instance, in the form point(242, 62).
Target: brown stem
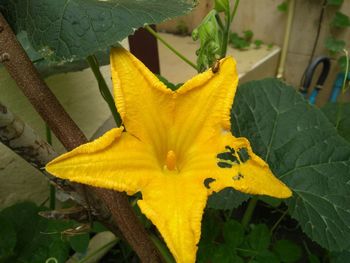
point(29, 81)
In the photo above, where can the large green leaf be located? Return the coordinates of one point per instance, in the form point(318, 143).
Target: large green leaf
point(226, 199)
point(36, 238)
point(287, 251)
point(67, 30)
point(48, 68)
point(339, 115)
point(304, 150)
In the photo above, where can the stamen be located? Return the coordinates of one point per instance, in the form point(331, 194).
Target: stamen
point(171, 160)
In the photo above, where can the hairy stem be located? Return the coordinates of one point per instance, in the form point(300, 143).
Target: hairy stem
point(346, 71)
point(115, 204)
point(168, 258)
point(249, 211)
point(104, 90)
point(278, 221)
point(343, 89)
point(234, 11)
point(226, 33)
point(228, 18)
point(177, 53)
point(52, 198)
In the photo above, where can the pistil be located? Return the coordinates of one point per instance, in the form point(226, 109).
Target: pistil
point(170, 160)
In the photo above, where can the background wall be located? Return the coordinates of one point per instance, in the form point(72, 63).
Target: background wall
point(19, 181)
point(268, 24)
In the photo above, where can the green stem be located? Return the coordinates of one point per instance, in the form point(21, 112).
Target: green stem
point(229, 18)
point(234, 11)
point(346, 71)
point(104, 90)
point(218, 19)
point(52, 197)
point(48, 134)
point(154, 33)
point(343, 89)
point(226, 34)
point(168, 258)
point(249, 211)
point(278, 221)
point(52, 188)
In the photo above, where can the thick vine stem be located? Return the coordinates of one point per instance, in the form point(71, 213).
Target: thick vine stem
point(113, 204)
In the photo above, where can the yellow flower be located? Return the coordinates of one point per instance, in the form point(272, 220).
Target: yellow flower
point(177, 150)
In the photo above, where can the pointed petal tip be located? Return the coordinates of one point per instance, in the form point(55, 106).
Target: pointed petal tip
point(281, 191)
point(286, 192)
point(230, 61)
point(175, 206)
point(97, 145)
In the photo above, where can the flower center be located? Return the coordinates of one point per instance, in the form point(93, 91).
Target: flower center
point(170, 160)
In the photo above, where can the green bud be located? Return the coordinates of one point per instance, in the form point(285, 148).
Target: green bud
point(210, 36)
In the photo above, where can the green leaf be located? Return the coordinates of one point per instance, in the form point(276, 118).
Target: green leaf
point(37, 238)
point(233, 233)
point(167, 83)
point(313, 258)
point(24, 217)
point(97, 227)
point(48, 68)
point(226, 199)
point(340, 257)
point(305, 151)
point(66, 30)
point(7, 238)
point(287, 251)
point(267, 257)
point(205, 252)
point(79, 243)
point(224, 254)
point(274, 202)
point(342, 63)
point(339, 115)
point(335, 2)
point(334, 45)
point(340, 20)
point(248, 35)
point(211, 228)
point(283, 7)
point(258, 43)
point(238, 42)
point(259, 238)
point(222, 5)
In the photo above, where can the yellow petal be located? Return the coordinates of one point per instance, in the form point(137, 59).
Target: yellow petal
point(226, 161)
point(117, 161)
point(144, 103)
point(203, 106)
point(176, 206)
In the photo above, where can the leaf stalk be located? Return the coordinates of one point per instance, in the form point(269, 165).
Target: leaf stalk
point(177, 53)
point(103, 87)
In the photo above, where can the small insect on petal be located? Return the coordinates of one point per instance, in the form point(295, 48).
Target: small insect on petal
point(216, 66)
